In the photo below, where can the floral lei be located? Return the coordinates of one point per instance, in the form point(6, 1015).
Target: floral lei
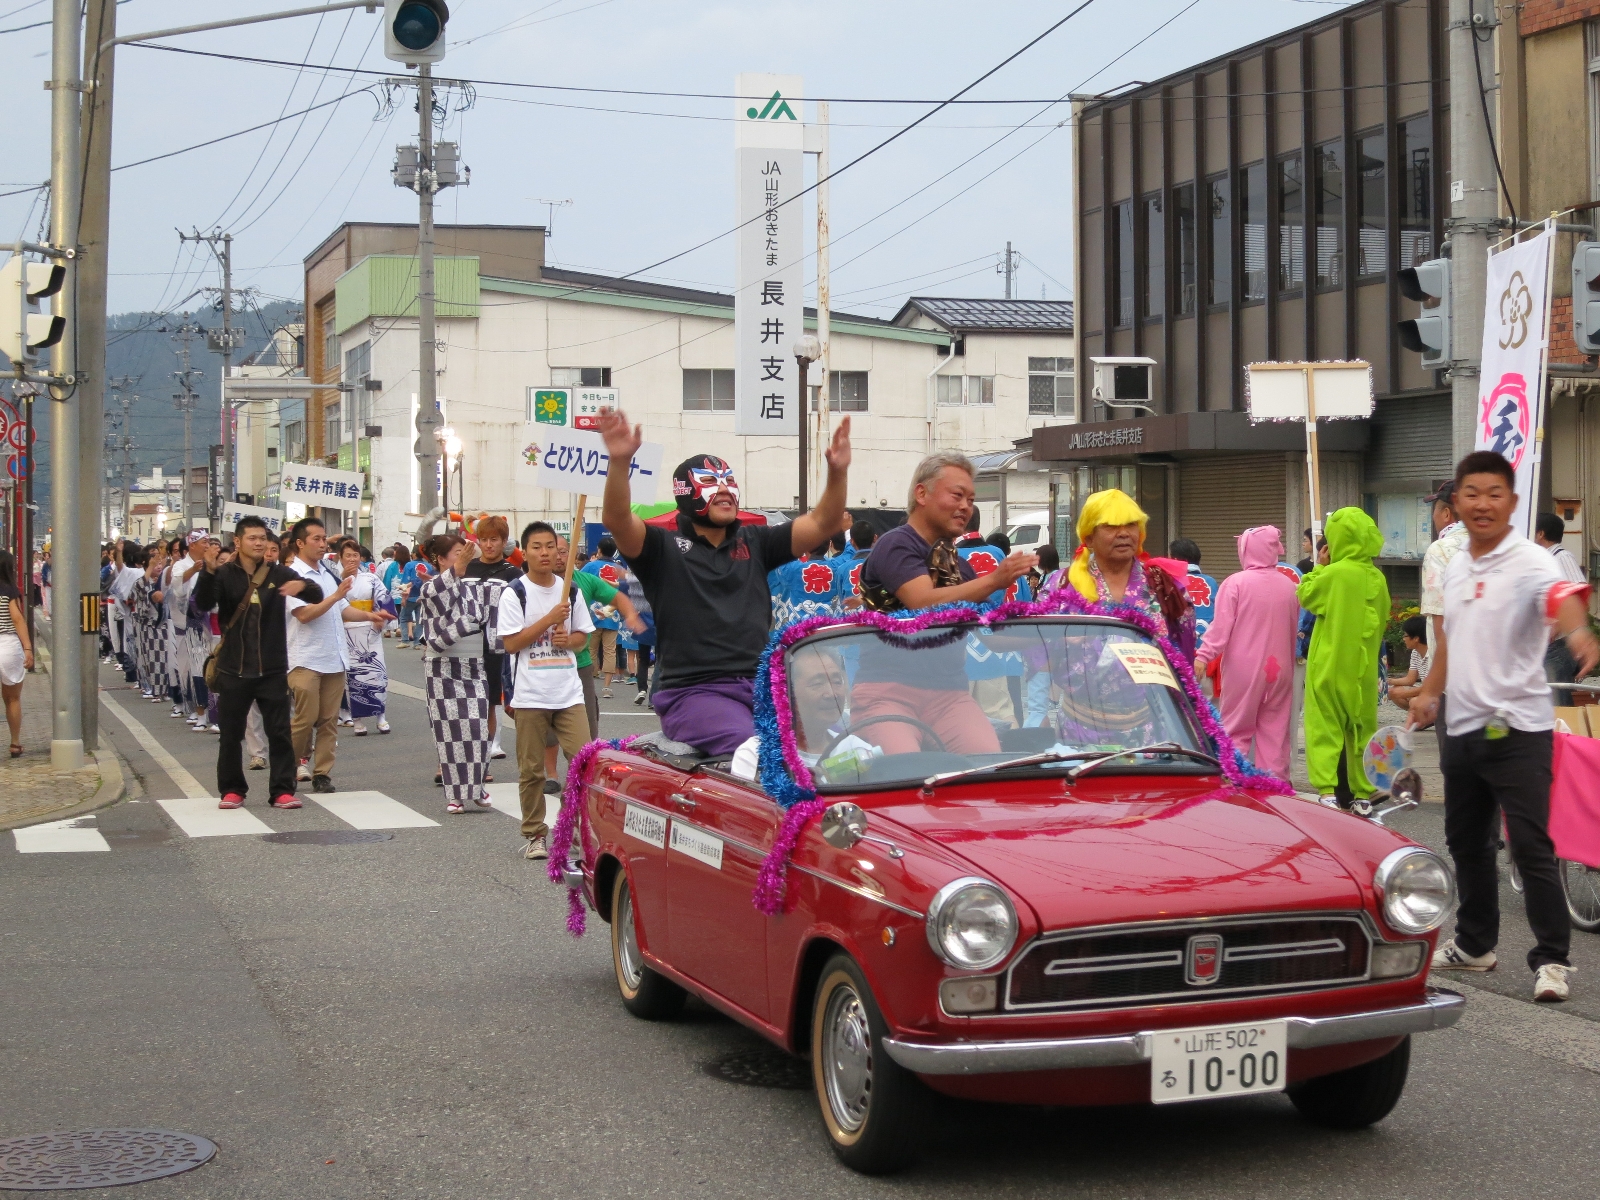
point(788, 781)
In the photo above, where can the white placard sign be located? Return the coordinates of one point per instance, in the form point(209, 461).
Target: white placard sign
point(769, 302)
point(1516, 321)
point(1278, 390)
point(303, 483)
point(233, 513)
point(575, 460)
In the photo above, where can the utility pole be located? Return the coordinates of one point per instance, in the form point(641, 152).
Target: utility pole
point(1008, 268)
point(185, 402)
point(824, 291)
point(1473, 221)
point(224, 342)
point(427, 376)
point(66, 167)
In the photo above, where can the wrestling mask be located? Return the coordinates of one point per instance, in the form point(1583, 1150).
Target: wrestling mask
point(697, 480)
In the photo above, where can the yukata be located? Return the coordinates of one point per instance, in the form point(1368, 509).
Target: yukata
point(1253, 634)
point(150, 638)
point(366, 679)
point(453, 614)
point(1351, 601)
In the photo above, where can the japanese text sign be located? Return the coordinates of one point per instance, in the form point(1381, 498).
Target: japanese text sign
point(303, 483)
point(233, 513)
point(575, 460)
point(1144, 664)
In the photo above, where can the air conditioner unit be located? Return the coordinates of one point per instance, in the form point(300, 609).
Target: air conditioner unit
point(1124, 383)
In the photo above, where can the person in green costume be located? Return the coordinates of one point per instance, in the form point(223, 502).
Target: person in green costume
point(1351, 603)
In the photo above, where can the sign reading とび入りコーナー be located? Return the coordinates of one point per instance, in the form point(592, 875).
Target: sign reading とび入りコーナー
point(769, 300)
point(575, 460)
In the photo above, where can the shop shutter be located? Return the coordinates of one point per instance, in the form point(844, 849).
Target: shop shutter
point(1219, 498)
point(1410, 443)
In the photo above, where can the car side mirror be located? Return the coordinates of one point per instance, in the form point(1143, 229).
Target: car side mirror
point(843, 825)
point(1404, 793)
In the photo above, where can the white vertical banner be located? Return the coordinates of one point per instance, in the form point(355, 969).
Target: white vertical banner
point(1516, 326)
point(769, 303)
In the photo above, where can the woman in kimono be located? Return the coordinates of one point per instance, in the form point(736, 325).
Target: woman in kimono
point(366, 680)
point(150, 630)
point(453, 613)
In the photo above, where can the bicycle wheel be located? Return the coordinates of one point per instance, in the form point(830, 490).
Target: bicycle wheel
point(1582, 887)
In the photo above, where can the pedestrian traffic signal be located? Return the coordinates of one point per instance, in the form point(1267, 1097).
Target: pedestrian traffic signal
point(22, 284)
point(1429, 333)
point(413, 30)
point(1586, 296)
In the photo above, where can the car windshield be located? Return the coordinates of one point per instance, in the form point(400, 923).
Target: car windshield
point(877, 708)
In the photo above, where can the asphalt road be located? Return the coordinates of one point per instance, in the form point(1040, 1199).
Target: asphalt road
point(408, 1018)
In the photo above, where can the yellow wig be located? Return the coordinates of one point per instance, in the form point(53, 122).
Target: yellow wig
point(1110, 507)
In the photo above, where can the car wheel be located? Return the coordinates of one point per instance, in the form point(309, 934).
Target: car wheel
point(1358, 1097)
point(873, 1109)
point(644, 993)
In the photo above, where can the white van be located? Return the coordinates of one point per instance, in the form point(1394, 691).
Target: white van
point(1028, 530)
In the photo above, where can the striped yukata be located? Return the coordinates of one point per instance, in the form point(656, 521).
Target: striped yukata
point(150, 639)
point(454, 613)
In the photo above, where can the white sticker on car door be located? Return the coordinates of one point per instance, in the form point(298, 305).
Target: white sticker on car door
point(647, 826)
point(697, 844)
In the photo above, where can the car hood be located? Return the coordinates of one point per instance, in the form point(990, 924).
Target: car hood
point(1119, 850)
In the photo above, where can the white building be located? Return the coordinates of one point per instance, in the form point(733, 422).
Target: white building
point(943, 374)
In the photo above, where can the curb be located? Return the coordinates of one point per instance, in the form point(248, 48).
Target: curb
point(113, 786)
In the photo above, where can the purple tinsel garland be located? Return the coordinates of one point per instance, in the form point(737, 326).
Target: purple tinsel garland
point(573, 816)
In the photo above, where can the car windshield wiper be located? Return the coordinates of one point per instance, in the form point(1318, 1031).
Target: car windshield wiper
point(1154, 748)
point(1047, 756)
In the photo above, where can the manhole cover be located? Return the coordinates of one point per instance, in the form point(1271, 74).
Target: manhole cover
point(762, 1066)
point(94, 1158)
point(326, 837)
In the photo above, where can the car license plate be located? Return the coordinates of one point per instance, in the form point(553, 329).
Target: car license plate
point(1222, 1060)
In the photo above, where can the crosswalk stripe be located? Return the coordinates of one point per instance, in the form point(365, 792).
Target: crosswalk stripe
point(199, 817)
point(75, 835)
point(371, 810)
point(405, 689)
point(187, 783)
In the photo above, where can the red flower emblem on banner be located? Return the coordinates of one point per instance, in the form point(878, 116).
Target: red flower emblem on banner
point(817, 578)
point(610, 574)
point(1199, 591)
point(983, 562)
point(1503, 426)
point(1011, 592)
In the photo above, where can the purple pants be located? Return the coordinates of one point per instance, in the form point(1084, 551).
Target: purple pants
point(715, 717)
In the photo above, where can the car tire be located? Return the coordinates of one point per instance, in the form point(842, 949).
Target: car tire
point(873, 1110)
point(1358, 1097)
point(645, 994)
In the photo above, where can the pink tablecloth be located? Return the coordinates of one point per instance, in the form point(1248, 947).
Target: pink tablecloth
point(1575, 799)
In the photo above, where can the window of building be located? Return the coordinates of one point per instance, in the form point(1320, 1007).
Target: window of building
point(960, 389)
point(571, 377)
point(847, 391)
point(332, 426)
point(1122, 260)
point(1253, 195)
point(1329, 212)
point(1221, 274)
point(1183, 255)
point(1372, 151)
point(1154, 301)
point(1050, 390)
point(294, 441)
point(330, 346)
point(1416, 190)
point(1291, 220)
point(358, 362)
point(707, 391)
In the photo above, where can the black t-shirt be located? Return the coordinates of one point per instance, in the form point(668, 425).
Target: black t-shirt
point(898, 557)
point(713, 609)
point(478, 569)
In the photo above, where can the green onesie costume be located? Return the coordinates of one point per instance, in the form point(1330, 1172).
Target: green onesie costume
point(1351, 603)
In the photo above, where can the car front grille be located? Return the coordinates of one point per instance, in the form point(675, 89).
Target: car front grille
point(1185, 962)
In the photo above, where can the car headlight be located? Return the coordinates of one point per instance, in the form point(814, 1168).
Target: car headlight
point(1415, 889)
point(971, 924)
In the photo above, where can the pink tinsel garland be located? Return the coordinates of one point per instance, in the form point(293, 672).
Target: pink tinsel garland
point(573, 815)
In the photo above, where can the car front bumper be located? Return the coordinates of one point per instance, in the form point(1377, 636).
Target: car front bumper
point(1439, 1010)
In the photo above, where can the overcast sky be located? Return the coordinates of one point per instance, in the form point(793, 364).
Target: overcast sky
point(648, 177)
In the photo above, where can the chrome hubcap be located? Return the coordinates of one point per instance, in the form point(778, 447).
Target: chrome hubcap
point(630, 964)
point(847, 1065)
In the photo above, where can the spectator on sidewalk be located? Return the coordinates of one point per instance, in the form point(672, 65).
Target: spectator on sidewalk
point(16, 649)
point(1414, 635)
point(1500, 599)
point(249, 596)
point(1548, 530)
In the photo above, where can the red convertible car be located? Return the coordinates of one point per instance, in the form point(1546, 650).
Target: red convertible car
point(1035, 878)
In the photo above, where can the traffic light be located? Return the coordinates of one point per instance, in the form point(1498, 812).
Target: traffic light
point(22, 283)
point(1586, 296)
point(413, 30)
point(1429, 334)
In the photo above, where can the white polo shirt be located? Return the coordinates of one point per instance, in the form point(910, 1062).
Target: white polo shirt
point(318, 645)
point(1494, 621)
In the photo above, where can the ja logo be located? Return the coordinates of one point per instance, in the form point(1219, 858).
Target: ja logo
point(1503, 426)
point(777, 107)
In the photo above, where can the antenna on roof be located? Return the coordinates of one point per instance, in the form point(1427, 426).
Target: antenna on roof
point(550, 214)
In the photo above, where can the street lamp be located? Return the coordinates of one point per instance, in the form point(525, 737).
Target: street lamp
point(450, 447)
point(806, 351)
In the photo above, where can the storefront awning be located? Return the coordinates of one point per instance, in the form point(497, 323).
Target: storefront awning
point(1181, 435)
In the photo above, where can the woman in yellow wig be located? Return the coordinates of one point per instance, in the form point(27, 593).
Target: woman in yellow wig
point(1111, 566)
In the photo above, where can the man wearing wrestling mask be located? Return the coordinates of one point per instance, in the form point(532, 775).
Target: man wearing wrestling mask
point(707, 582)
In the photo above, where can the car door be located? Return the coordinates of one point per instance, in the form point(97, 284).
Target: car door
point(721, 829)
point(634, 796)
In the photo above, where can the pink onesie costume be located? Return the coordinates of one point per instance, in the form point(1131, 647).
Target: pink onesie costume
point(1253, 634)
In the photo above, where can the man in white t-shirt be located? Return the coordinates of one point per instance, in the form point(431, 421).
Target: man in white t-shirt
point(1502, 595)
point(1548, 531)
point(318, 655)
point(542, 630)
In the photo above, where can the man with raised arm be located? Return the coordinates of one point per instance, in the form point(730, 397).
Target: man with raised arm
point(707, 582)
